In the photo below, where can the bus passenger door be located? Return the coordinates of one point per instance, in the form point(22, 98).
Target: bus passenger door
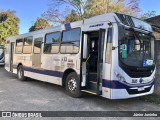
point(92, 61)
point(36, 57)
point(84, 58)
point(102, 36)
point(11, 56)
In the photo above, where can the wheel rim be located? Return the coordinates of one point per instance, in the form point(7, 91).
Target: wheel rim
point(72, 84)
point(20, 73)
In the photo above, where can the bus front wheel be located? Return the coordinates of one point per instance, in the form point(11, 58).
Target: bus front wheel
point(73, 85)
point(20, 73)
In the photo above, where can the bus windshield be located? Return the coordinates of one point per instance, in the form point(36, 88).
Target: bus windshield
point(135, 49)
point(1, 53)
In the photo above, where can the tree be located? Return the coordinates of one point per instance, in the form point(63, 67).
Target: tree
point(82, 9)
point(72, 17)
point(39, 24)
point(9, 25)
point(107, 6)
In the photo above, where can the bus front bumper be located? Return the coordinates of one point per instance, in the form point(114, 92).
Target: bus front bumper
point(119, 90)
point(123, 93)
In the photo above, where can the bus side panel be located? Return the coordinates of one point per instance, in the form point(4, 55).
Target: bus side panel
point(24, 59)
point(20, 59)
point(8, 57)
point(43, 77)
point(58, 64)
point(44, 73)
point(106, 91)
point(70, 61)
point(7, 62)
point(51, 64)
point(17, 59)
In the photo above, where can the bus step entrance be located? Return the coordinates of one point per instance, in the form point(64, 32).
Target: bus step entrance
point(90, 91)
point(92, 77)
point(92, 85)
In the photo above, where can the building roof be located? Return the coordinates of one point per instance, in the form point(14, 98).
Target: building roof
point(155, 21)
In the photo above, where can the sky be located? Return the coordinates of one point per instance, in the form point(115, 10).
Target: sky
point(29, 10)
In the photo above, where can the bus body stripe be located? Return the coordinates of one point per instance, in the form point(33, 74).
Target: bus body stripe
point(42, 71)
point(112, 84)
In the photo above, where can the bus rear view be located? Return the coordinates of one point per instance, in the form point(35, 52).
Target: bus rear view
point(1, 55)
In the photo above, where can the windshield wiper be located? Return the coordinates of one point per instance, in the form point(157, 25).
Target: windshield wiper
point(137, 36)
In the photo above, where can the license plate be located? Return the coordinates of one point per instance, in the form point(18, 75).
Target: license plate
point(141, 89)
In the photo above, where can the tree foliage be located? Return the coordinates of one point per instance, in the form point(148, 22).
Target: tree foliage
point(81, 9)
point(39, 24)
point(9, 25)
point(107, 6)
point(72, 17)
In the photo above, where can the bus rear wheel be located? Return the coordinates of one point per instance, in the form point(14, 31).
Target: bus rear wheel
point(73, 85)
point(20, 73)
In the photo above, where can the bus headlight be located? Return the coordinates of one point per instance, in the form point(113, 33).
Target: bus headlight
point(120, 77)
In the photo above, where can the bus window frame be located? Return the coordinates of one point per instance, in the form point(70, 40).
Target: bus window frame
point(71, 41)
point(19, 46)
point(41, 45)
point(56, 43)
point(27, 45)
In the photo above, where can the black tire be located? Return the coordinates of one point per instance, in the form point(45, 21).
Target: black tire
point(20, 73)
point(73, 85)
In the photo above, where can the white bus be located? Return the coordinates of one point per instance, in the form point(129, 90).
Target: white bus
point(110, 55)
point(1, 55)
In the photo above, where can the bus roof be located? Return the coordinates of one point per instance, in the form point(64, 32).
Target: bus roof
point(110, 17)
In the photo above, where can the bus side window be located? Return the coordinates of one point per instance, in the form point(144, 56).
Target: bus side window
point(70, 41)
point(19, 46)
point(109, 46)
point(37, 45)
point(27, 49)
point(52, 43)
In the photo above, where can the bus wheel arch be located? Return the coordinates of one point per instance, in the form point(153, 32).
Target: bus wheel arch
point(19, 65)
point(20, 72)
point(71, 81)
point(65, 74)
